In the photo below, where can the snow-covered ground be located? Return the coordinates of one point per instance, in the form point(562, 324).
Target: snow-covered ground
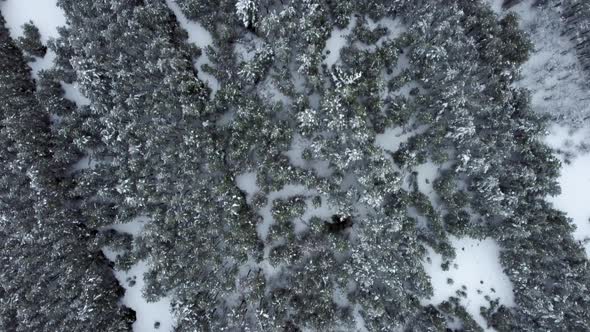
point(247, 183)
point(574, 179)
point(558, 87)
point(72, 92)
point(393, 137)
point(337, 40)
point(148, 313)
point(551, 74)
point(46, 16)
point(496, 5)
point(476, 271)
point(44, 13)
point(289, 191)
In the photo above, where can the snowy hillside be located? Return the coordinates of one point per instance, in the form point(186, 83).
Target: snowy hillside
point(260, 165)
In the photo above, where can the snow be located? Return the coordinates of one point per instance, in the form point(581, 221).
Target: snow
point(46, 16)
point(574, 180)
point(44, 13)
point(558, 87)
point(299, 83)
point(557, 83)
point(395, 26)
point(566, 140)
point(336, 41)
point(393, 137)
point(133, 227)
point(575, 186)
point(477, 267)
point(403, 62)
point(72, 92)
point(295, 153)
point(269, 91)
point(359, 321)
point(496, 5)
point(421, 221)
point(553, 72)
point(554, 77)
point(404, 90)
point(245, 49)
point(40, 64)
point(85, 162)
point(247, 183)
point(147, 313)
point(427, 173)
point(314, 100)
point(198, 35)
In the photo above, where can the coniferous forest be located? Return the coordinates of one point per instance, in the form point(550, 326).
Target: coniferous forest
point(294, 165)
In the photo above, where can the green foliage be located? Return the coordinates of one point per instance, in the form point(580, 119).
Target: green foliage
point(30, 42)
point(333, 235)
point(55, 276)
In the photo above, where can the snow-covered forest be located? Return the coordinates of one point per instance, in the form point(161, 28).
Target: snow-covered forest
point(282, 165)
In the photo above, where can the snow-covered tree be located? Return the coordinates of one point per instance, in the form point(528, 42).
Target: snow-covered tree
point(247, 11)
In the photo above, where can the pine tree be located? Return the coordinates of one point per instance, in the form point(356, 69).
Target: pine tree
point(45, 251)
point(30, 42)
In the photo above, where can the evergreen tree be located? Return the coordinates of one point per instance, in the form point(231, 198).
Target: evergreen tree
point(333, 235)
point(30, 42)
point(54, 275)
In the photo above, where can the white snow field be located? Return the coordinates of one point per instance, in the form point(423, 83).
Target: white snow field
point(553, 72)
point(46, 16)
point(477, 267)
point(44, 13)
point(496, 5)
point(574, 180)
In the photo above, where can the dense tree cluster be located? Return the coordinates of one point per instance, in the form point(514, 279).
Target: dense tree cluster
point(54, 275)
point(333, 235)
